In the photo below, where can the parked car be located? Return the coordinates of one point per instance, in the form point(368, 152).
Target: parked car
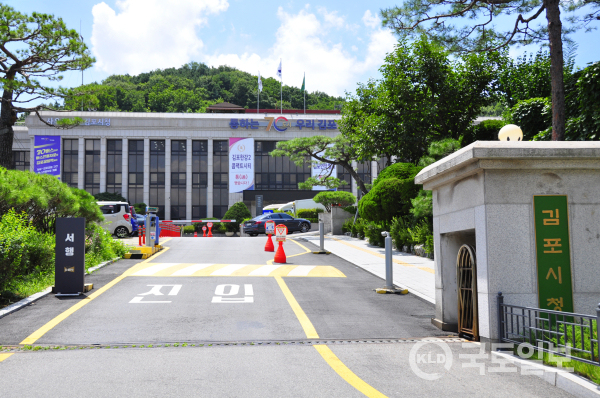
point(134, 223)
point(117, 218)
point(141, 219)
point(257, 224)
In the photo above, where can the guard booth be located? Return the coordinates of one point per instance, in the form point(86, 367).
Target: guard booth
point(152, 227)
point(521, 218)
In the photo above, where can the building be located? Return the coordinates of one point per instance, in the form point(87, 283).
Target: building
point(179, 162)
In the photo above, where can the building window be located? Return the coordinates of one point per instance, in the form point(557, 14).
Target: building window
point(135, 180)
point(344, 175)
point(21, 160)
point(157, 176)
point(364, 171)
point(92, 166)
point(178, 179)
point(70, 162)
point(381, 164)
point(220, 178)
point(199, 178)
point(276, 173)
point(114, 166)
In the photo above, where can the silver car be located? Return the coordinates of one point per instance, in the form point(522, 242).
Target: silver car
point(117, 219)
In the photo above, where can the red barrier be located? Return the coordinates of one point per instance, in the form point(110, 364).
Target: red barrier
point(168, 229)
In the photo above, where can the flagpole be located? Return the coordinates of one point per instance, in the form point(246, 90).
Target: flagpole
point(304, 84)
point(281, 89)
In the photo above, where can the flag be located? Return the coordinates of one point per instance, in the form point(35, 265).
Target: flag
point(259, 82)
point(303, 79)
point(279, 70)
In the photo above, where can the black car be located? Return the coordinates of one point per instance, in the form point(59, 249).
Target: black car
point(257, 224)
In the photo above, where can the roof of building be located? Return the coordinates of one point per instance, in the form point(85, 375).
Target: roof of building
point(225, 107)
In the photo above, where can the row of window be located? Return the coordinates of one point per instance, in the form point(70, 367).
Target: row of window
point(271, 173)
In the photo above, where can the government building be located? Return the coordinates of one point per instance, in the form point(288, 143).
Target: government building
point(180, 162)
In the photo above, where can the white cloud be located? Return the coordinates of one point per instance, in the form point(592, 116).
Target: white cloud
point(354, 48)
point(302, 41)
point(371, 20)
point(331, 17)
point(143, 35)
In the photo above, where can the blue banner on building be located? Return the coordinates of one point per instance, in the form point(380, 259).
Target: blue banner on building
point(46, 155)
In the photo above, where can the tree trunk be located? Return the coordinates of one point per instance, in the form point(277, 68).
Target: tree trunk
point(556, 69)
point(354, 174)
point(7, 120)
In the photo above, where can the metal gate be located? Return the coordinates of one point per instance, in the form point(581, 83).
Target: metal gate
point(466, 278)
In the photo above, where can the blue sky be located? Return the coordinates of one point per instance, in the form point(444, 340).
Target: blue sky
point(336, 43)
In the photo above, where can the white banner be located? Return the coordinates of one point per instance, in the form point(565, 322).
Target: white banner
point(241, 164)
point(319, 170)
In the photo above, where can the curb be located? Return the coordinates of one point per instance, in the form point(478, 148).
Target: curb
point(35, 297)
point(560, 378)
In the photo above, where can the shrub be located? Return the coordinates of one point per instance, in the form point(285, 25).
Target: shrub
point(189, 229)
point(100, 245)
point(309, 213)
point(487, 130)
point(347, 226)
point(23, 249)
point(400, 234)
point(373, 234)
point(140, 208)
point(237, 212)
point(44, 198)
point(400, 171)
point(333, 198)
point(388, 199)
point(422, 205)
point(422, 234)
point(532, 116)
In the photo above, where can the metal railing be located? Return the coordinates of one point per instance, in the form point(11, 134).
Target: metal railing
point(567, 334)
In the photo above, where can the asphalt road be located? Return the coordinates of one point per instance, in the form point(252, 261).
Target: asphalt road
point(215, 317)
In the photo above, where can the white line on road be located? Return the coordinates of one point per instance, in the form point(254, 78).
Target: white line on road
point(189, 271)
point(301, 270)
point(154, 269)
point(228, 270)
point(265, 270)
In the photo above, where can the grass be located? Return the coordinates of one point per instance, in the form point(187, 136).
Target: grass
point(25, 286)
point(591, 372)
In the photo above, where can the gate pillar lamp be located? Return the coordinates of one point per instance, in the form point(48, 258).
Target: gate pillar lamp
point(510, 132)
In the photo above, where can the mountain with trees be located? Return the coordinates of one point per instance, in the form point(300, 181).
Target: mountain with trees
point(192, 88)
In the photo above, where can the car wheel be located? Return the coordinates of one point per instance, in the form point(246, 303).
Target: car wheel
point(121, 232)
point(304, 227)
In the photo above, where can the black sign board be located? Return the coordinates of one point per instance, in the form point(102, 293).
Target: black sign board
point(69, 263)
point(259, 204)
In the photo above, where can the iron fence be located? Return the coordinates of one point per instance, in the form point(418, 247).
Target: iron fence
point(567, 334)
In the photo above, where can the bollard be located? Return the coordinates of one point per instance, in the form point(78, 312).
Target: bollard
point(139, 236)
point(144, 237)
point(389, 271)
point(210, 231)
point(322, 235)
point(280, 255)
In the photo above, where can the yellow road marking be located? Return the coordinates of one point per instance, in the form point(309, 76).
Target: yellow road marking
point(212, 270)
point(32, 338)
point(426, 269)
point(306, 324)
point(346, 374)
point(328, 355)
point(4, 356)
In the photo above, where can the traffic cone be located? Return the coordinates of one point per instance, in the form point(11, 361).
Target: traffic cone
point(209, 232)
point(204, 231)
point(280, 254)
point(269, 246)
point(195, 234)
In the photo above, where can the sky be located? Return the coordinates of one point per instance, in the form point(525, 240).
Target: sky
point(337, 44)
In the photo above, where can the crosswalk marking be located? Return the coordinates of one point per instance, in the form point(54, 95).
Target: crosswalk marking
point(228, 269)
point(301, 270)
point(265, 270)
point(189, 271)
point(210, 269)
point(154, 268)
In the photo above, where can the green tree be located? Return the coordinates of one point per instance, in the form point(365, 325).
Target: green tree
point(33, 47)
point(479, 32)
point(423, 97)
point(334, 198)
point(109, 196)
point(332, 150)
point(238, 212)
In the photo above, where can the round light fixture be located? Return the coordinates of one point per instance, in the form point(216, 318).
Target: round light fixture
point(510, 132)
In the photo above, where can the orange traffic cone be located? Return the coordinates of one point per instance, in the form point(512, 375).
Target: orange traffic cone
point(280, 254)
point(195, 234)
point(209, 231)
point(269, 246)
